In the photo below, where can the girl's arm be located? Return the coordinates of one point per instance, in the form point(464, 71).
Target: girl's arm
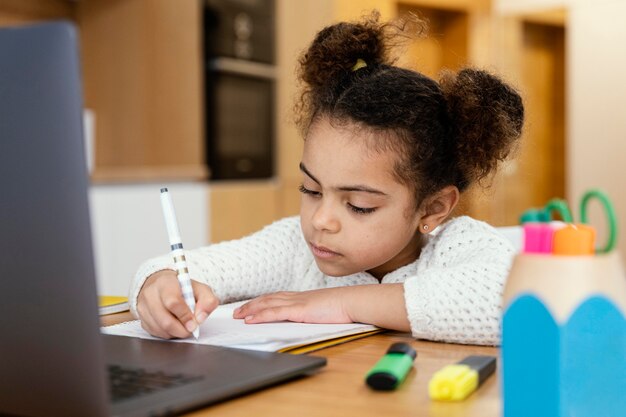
point(378, 304)
point(456, 295)
point(237, 269)
point(460, 304)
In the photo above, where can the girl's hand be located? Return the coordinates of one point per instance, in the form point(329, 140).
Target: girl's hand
point(379, 304)
point(317, 306)
point(162, 308)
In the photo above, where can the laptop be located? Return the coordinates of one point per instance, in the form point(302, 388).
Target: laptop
point(53, 359)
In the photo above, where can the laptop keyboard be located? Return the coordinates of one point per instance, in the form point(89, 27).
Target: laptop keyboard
point(126, 383)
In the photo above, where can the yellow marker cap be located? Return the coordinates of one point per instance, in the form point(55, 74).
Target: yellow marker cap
point(453, 383)
point(456, 382)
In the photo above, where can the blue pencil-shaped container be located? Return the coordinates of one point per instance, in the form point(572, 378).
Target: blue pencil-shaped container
point(564, 337)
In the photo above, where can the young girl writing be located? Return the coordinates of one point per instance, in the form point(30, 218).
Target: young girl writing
point(387, 153)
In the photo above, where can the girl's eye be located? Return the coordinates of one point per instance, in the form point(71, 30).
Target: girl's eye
point(304, 190)
point(361, 210)
point(355, 209)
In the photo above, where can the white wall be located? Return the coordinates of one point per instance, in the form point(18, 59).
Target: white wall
point(128, 227)
point(596, 65)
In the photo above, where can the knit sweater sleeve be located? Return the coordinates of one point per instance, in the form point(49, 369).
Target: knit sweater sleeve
point(456, 295)
point(239, 269)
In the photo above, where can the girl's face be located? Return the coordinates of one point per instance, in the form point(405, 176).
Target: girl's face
point(355, 215)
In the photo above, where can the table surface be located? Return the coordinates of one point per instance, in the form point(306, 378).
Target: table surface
point(338, 389)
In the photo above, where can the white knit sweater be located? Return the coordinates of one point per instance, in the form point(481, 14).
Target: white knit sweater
point(452, 291)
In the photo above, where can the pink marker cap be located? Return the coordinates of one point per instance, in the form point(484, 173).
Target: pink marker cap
point(538, 238)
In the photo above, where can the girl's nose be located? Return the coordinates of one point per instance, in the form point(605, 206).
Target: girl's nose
point(325, 219)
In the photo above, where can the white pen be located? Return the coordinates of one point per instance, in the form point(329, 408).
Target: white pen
point(176, 244)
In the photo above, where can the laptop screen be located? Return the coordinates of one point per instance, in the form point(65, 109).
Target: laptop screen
point(48, 314)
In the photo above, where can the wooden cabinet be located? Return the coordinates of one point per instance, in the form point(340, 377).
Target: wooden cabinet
point(142, 67)
point(529, 50)
point(142, 78)
point(17, 12)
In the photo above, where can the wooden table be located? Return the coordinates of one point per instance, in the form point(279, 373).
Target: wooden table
point(339, 389)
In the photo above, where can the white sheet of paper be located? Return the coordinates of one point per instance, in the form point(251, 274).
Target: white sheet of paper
point(221, 329)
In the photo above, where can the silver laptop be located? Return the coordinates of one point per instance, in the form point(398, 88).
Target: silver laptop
point(53, 359)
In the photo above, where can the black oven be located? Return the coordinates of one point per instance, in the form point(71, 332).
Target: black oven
point(240, 88)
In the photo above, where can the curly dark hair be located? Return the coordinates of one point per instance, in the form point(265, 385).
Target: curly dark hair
point(452, 132)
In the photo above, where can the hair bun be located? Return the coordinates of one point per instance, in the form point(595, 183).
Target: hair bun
point(336, 49)
point(487, 117)
point(327, 67)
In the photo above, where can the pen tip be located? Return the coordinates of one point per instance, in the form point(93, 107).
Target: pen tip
point(196, 333)
point(164, 190)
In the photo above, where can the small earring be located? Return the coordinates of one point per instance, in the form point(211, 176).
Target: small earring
point(425, 227)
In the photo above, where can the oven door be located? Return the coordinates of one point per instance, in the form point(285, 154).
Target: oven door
point(240, 119)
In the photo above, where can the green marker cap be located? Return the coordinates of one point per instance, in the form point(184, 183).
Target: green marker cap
point(534, 215)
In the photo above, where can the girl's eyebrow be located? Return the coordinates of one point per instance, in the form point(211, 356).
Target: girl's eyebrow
point(306, 171)
point(361, 188)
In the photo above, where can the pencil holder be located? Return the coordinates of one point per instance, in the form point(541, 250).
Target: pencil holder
point(564, 337)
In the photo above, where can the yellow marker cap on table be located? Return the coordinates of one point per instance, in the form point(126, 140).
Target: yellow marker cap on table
point(453, 383)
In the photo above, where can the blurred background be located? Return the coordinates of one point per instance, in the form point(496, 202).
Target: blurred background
point(197, 95)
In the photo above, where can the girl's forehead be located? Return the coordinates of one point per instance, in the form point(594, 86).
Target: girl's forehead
point(344, 153)
point(366, 140)
point(372, 139)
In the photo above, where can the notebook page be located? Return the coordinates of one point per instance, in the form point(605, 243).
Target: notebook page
point(221, 329)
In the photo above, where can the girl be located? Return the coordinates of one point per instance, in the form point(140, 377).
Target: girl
point(387, 152)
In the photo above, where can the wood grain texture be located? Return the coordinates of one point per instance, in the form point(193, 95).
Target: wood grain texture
point(17, 12)
point(142, 64)
point(239, 208)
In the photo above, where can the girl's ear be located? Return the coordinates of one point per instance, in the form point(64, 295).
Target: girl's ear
point(438, 207)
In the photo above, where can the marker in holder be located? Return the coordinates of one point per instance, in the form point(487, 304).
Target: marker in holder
point(538, 237)
point(574, 239)
point(564, 326)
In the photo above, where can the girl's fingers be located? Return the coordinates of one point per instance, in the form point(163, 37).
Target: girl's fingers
point(272, 314)
point(206, 301)
point(149, 324)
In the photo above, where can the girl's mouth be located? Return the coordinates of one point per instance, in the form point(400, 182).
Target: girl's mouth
point(322, 252)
